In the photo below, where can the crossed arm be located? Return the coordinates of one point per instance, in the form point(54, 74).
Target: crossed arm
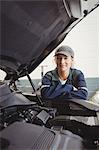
point(54, 89)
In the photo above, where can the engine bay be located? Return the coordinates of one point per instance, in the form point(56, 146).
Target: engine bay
point(74, 116)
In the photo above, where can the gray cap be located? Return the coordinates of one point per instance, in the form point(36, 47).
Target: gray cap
point(65, 50)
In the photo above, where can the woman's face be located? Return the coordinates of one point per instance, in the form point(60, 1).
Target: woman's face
point(63, 62)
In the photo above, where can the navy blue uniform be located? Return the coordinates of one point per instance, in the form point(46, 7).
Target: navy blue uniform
point(74, 87)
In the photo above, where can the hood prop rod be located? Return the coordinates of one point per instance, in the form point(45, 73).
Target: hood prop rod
point(33, 87)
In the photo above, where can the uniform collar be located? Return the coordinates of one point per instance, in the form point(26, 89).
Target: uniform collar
point(55, 76)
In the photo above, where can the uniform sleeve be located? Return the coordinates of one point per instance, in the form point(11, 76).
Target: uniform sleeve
point(80, 89)
point(54, 89)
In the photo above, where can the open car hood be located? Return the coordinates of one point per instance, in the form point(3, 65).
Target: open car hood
point(31, 30)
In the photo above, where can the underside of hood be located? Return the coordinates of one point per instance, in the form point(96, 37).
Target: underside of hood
point(30, 30)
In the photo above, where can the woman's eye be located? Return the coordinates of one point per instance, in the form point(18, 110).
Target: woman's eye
point(64, 58)
point(58, 58)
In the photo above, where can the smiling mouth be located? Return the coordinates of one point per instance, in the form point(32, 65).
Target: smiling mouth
point(63, 65)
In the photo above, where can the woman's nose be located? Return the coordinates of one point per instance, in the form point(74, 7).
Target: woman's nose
point(62, 60)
